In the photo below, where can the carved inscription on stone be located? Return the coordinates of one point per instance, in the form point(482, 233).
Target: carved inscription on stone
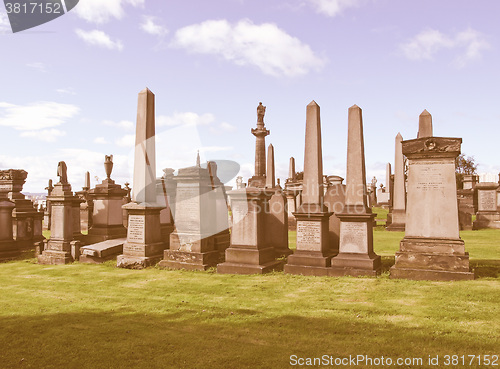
point(353, 237)
point(308, 235)
point(136, 228)
point(429, 175)
point(487, 200)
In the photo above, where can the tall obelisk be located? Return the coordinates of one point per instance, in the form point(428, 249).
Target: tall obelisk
point(398, 210)
point(144, 246)
point(260, 133)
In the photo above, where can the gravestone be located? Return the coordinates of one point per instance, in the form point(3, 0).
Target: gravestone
point(192, 243)
point(488, 215)
point(432, 248)
point(335, 200)
point(356, 256)
point(398, 210)
point(165, 196)
point(373, 192)
point(314, 251)
point(100, 252)
point(61, 247)
point(47, 212)
point(250, 251)
point(260, 133)
point(26, 219)
point(87, 205)
point(8, 247)
point(107, 218)
point(144, 246)
point(291, 192)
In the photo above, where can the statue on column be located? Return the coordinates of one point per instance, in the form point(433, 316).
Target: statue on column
point(261, 111)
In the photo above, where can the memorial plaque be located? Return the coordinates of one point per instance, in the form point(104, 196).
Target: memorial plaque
point(429, 174)
point(187, 210)
point(487, 200)
point(5, 187)
point(353, 237)
point(308, 235)
point(136, 228)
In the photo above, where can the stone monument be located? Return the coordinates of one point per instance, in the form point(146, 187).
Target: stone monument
point(165, 196)
point(335, 201)
point(488, 214)
point(260, 133)
point(356, 256)
point(144, 246)
point(432, 248)
point(398, 210)
point(61, 248)
point(47, 212)
point(87, 206)
point(8, 248)
point(314, 251)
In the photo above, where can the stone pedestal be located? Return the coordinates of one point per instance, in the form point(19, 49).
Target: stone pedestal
point(8, 248)
point(192, 244)
point(61, 247)
point(278, 222)
point(107, 218)
point(260, 133)
point(488, 215)
point(144, 246)
point(165, 196)
point(356, 256)
point(432, 248)
point(335, 201)
point(249, 252)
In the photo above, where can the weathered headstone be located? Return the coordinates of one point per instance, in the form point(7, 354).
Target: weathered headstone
point(488, 214)
point(107, 197)
point(87, 206)
point(398, 211)
point(61, 248)
point(260, 133)
point(335, 201)
point(144, 246)
point(314, 251)
point(432, 248)
point(356, 256)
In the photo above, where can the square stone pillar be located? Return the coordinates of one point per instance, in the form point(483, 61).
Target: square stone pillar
point(8, 248)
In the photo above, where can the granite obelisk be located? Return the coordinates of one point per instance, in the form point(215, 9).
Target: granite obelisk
point(398, 210)
point(356, 256)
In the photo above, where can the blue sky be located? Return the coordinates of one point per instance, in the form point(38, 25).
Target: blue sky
point(69, 87)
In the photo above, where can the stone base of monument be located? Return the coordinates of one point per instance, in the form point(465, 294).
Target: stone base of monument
point(130, 261)
point(166, 230)
point(486, 219)
point(58, 252)
point(222, 242)
point(398, 219)
point(432, 259)
point(257, 182)
point(308, 263)
point(355, 265)
point(102, 251)
point(241, 260)
point(8, 250)
point(190, 252)
point(282, 252)
point(102, 233)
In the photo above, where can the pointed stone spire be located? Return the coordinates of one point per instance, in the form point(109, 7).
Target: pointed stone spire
point(399, 176)
point(144, 185)
point(425, 125)
point(87, 181)
point(356, 173)
point(198, 161)
point(292, 175)
point(388, 173)
point(312, 189)
point(270, 178)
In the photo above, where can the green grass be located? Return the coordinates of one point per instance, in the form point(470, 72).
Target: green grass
point(99, 316)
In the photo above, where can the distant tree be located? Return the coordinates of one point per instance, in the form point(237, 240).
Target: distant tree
point(464, 165)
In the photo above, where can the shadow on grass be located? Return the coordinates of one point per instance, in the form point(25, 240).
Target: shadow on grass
point(214, 339)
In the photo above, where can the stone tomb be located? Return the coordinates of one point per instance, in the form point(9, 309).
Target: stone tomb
point(102, 251)
point(488, 215)
point(8, 248)
point(432, 248)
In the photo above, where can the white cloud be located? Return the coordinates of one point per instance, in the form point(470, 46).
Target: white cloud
point(46, 135)
point(150, 26)
point(332, 8)
point(206, 149)
point(66, 91)
point(265, 46)
point(187, 118)
point(99, 38)
point(469, 43)
point(100, 140)
point(126, 141)
point(38, 66)
point(4, 23)
point(227, 127)
point(101, 11)
point(36, 116)
point(123, 124)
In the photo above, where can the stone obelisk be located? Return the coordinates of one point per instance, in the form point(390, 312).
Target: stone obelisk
point(432, 248)
point(398, 210)
point(314, 252)
point(144, 246)
point(260, 133)
point(356, 256)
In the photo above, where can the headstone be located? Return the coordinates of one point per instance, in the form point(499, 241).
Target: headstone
point(61, 248)
point(432, 248)
point(356, 256)
point(470, 181)
point(488, 214)
point(260, 133)
point(291, 192)
point(100, 252)
point(335, 201)
point(165, 192)
point(26, 219)
point(144, 246)
point(250, 251)
point(398, 211)
point(373, 192)
point(87, 205)
point(192, 243)
point(314, 251)
point(107, 198)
